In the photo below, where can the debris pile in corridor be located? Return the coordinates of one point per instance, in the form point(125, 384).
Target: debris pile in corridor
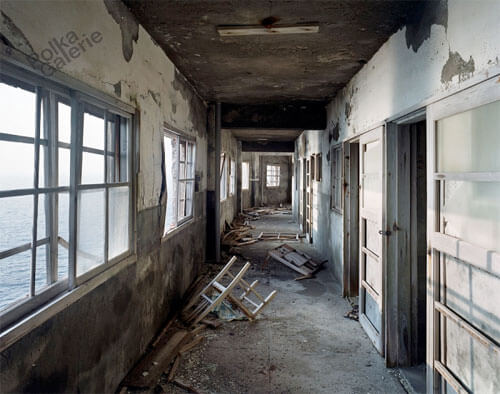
point(298, 261)
point(183, 332)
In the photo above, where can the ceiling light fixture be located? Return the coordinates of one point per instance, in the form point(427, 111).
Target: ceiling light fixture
point(257, 30)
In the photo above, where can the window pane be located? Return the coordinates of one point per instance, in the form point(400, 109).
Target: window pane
point(64, 122)
point(182, 199)
point(16, 221)
point(43, 213)
point(64, 166)
point(15, 273)
point(90, 232)
point(118, 221)
point(245, 179)
point(17, 111)
point(16, 165)
point(470, 141)
point(63, 231)
point(92, 168)
point(471, 211)
point(41, 268)
point(182, 150)
point(117, 149)
point(189, 198)
point(93, 131)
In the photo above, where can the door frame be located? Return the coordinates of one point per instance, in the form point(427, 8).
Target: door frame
point(350, 209)
point(398, 295)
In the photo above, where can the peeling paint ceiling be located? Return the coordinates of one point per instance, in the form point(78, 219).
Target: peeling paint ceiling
point(271, 68)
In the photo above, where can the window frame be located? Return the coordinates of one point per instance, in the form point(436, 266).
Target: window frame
point(49, 93)
point(232, 178)
point(223, 178)
point(319, 170)
point(276, 175)
point(180, 138)
point(336, 173)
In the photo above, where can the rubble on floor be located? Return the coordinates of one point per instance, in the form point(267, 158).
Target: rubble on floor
point(183, 333)
point(296, 260)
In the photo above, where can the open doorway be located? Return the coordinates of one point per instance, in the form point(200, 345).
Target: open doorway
point(407, 248)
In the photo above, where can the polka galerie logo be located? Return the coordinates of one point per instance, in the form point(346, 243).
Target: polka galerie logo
point(63, 50)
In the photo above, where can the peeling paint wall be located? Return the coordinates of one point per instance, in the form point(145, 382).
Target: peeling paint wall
point(444, 47)
point(229, 207)
point(90, 345)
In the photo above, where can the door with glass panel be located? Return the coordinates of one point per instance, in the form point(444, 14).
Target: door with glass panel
point(308, 201)
point(463, 306)
point(370, 226)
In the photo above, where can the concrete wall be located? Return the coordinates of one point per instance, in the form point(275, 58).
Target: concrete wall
point(261, 195)
point(453, 42)
point(90, 345)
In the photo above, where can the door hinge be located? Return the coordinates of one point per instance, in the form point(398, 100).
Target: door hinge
point(384, 233)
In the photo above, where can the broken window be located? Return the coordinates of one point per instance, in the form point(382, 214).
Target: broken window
point(64, 190)
point(245, 175)
point(272, 175)
point(232, 178)
point(223, 177)
point(336, 179)
point(179, 159)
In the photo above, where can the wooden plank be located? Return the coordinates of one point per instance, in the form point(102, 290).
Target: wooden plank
point(185, 386)
point(173, 370)
point(149, 370)
point(191, 345)
point(301, 270)
point(448, 376)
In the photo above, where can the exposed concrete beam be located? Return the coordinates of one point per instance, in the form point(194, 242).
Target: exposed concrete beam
point(270, 146)
point(297, 115)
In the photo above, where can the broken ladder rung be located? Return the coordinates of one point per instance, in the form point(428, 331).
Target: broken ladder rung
point(251, 302)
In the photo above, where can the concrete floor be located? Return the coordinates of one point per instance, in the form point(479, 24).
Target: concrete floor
point(301, 343)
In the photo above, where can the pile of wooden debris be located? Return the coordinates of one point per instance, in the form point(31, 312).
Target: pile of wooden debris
point(183, 332)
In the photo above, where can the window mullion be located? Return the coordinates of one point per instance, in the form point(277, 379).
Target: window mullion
point(178, 181)
point(106, 189)
point(35, 194)
point(51, 176)
point(75, 176)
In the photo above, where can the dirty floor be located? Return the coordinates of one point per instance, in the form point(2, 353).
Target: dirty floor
point(301, 343)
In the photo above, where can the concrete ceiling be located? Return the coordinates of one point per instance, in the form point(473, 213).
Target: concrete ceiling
point(271, 68)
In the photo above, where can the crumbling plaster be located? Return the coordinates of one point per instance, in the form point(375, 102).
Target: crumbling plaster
point(92, 343)
point(396, 79)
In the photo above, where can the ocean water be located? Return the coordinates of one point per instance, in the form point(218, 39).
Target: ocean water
point(16, 225)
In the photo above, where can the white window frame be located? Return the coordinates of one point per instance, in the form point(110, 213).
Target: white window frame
point(48, 95)
point(179, 139)
point(245, 180)
point(336, 178)
point(232, 178)
point(223, 178)
point(273, 174)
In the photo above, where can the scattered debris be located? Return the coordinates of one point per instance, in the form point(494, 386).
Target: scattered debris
point(275, 236)
point(352, 314)
point(296, 260)
point(216, 291)
point(185, 386)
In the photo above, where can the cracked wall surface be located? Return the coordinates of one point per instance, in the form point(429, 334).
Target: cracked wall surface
point(91, 344)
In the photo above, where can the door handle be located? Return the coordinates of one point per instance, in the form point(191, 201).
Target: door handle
point(384, 233)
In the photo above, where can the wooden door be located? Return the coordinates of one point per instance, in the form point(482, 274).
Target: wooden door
point(463, 232)
point(371, 306)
